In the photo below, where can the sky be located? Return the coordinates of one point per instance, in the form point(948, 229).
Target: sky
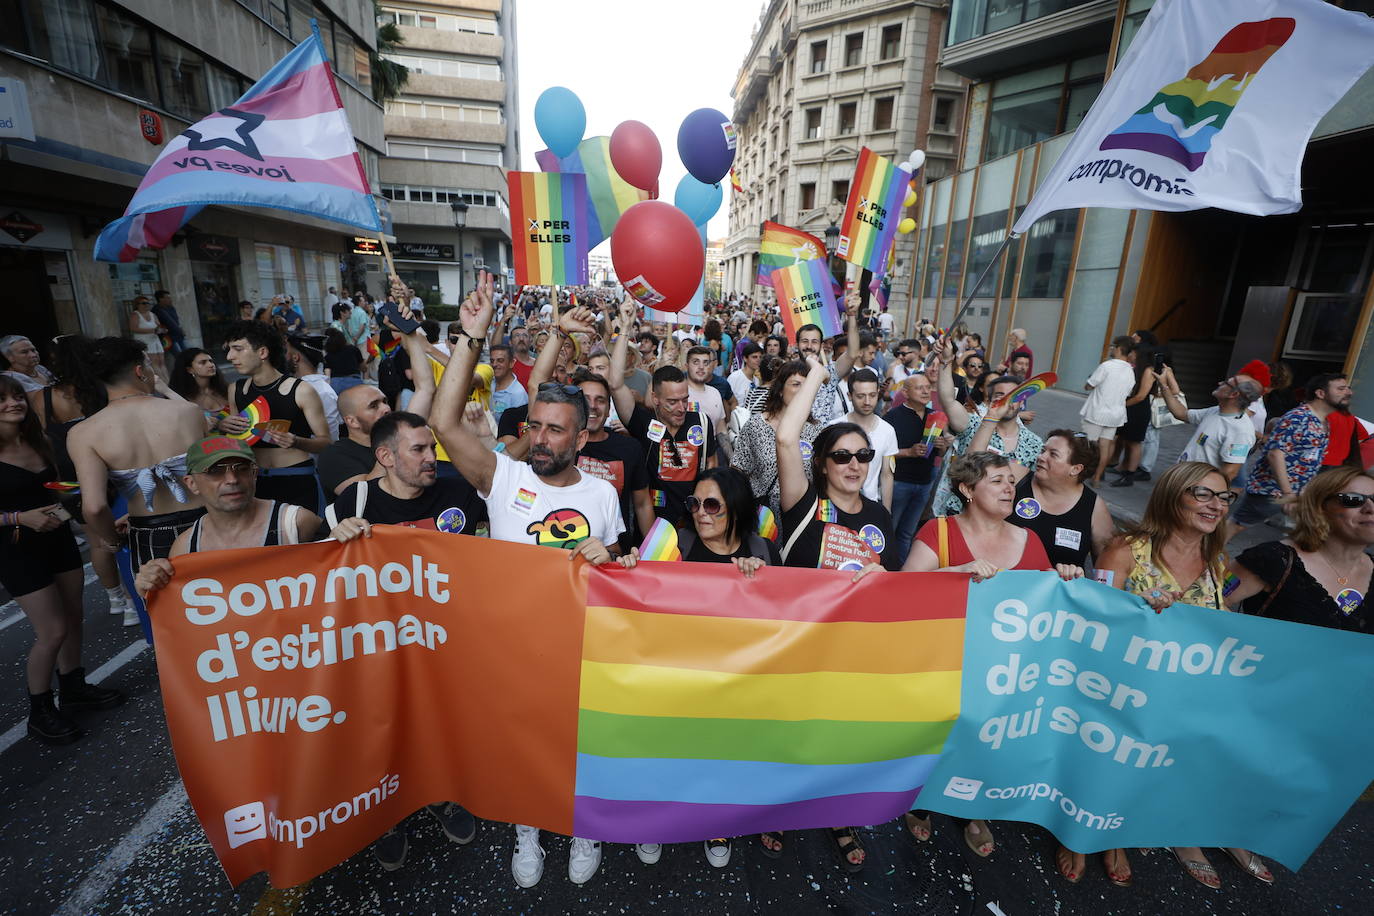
point(633, 60)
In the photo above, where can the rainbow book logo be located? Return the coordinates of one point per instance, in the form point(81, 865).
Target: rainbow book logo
point(1181, 120)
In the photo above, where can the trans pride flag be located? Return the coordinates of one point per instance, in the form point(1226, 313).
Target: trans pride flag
point(609, 194)
point(285, 144)
point(873, 211)
point(548, 223)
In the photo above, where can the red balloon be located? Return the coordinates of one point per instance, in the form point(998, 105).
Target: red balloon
point(636, 155)
point(658, 255)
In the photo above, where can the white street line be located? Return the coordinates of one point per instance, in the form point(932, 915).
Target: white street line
point(10, 621)
point(11, 737)
point(100, 879)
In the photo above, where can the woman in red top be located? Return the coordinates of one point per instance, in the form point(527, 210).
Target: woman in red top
point(978, 541)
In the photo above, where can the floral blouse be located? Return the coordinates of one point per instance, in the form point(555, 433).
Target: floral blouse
point(1146, 575)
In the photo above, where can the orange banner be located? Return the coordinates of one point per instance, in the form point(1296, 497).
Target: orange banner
point(301, 736)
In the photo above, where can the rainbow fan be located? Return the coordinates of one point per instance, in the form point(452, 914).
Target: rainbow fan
point(63, 486)
point(1034, 385)
point(768, 523)
point(660, 543)
point(257, 414)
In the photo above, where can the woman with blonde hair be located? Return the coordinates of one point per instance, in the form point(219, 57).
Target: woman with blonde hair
point(1319, 574)
point(1174, 554)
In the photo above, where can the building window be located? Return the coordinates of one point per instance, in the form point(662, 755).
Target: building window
point(471, 112)
point(839, 190)
point(1039, 104)
point(1048, 251)
point(441, 22)
point(818, 56)
point(892, 42)
point(882, 113)
point(854, 49)
point(944, 115)
point(301, 14)
point(807, 200)
point(813, 123)
point(275, 14)
point(435, 152)
point(448, 66)
point(973, 18)
point(183, 80)
point(849, 114)
point(128, 52)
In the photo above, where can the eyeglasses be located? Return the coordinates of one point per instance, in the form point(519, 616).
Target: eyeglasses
point(710, 505)
point(1207, 494)
point(1352, 500)
point(844, 456)
point(237, 468)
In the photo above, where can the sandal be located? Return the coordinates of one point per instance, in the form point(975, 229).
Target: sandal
point(979, 839)
point(1117, 866)
point(1250, 863)
point(1200, 871)
point(918, 828)
point(844, 850)
point(1071, 864)
point(777, 837)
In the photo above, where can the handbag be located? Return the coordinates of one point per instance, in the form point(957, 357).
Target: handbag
point(1160, 415)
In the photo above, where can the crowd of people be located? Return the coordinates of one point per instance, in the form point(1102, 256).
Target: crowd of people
point(857, 453)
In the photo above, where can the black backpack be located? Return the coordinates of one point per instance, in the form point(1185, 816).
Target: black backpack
point(391, 376)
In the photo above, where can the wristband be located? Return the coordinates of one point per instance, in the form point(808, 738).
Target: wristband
point(500, 447)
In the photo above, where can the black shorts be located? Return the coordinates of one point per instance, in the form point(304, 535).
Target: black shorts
point(37, 559)
point(151, 536)
point(1137, 422)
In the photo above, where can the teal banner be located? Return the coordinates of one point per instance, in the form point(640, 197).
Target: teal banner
point(1113, 726)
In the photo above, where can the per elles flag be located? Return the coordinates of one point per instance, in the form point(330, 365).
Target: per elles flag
point(1212, 106)
point(285, 144)
point(548, 225)
point(806, 295)
point(874, 209)
point(609, 195)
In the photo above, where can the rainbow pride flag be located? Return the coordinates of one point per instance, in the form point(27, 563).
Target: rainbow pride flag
point(548, 227)
point(783, 246)
point(743, 715)
point(873, 211)
point(767, 523)
point(806, 295)
point(661, 542)
point(608, 194)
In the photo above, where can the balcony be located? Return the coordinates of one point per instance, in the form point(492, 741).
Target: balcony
point(440, 129)
point(990, 37)
point(753, 83)
point(454, 87)
point(465, 43)
point(409, 213)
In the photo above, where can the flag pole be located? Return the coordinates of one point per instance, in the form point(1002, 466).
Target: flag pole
point(392, 276)
point(978, 284)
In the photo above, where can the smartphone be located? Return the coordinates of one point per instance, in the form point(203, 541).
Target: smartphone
point(58, 512)
point(393, 314)
point(1159, 362)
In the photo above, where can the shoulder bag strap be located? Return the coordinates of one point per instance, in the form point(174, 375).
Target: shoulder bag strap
point(1274, 592)
point(942, 532)
point(806, 520)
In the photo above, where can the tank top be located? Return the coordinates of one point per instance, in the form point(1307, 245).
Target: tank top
point(56, 432)
point(281, 404)
point(1068, 538)
point(282, 513)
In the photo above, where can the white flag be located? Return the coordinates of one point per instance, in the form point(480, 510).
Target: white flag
point(1212, 106)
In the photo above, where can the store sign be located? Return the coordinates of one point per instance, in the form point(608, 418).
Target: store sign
point(15, 120)
point(364, 245)
point(20, 226)
point(217, 248)
point(424, 251)
point(150, 123)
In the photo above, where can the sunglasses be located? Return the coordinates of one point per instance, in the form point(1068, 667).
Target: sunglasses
point(710, 505)
point(570, 390)
point(1207, 494)
point(237, 468)
point(1352, 500)
point(844, 456)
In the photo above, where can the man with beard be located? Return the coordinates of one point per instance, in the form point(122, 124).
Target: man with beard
point(810, 342)
point(547, 502)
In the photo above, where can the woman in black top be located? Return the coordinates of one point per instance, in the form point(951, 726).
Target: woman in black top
point(1071, 521)
point(343, 361)
point(1320, 574)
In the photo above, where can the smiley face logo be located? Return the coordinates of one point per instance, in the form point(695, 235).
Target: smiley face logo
point(696, 435)
point(451, 520)
point(245, 824)
point(1028, 507)
point(564, 528)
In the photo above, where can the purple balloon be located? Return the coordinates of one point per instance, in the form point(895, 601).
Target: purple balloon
point(706, 145)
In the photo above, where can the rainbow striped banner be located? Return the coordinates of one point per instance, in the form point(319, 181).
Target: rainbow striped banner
point(783, 246)
point(806, 295)
point(609, 195)
point(740, 715)
point(548, 228)
point(873, 211)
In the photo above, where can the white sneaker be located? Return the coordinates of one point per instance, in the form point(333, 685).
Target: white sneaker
point(649, 853)
point(119, 601)
point(131, 616)
point(583, 860)
point(527, 865)
point(718, 853)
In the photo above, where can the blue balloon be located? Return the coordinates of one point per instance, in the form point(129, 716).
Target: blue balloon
point(560, 119)
point(706, 145)
point(699, 201)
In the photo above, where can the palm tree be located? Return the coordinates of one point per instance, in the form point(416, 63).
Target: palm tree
point(388, 77)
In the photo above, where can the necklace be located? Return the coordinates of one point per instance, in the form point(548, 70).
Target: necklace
point(122, 397)
point(1345, 579)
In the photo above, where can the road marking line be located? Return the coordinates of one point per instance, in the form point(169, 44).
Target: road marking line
point(10, 621)
point(100, 879)
point(131, 651)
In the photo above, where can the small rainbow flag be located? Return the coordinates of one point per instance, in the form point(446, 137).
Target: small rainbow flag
point(806, 295)
point(661, 542)
point(783, 246)
point(873, 211)
point(548, 227)
point(742, 715)
point(608, 195)
point(936, 422)
point(768, 523)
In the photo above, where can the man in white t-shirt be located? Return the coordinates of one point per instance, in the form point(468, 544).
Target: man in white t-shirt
point(1111, 383)
point(547, 502)
point(746, 378)
point(1224, 434)
point(882, 438)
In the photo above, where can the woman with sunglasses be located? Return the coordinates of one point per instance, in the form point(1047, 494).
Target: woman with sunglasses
point(1319, 574)
point(828, 523)
point(1175, 553)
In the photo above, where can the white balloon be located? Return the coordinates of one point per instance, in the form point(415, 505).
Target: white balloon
point(916, 159)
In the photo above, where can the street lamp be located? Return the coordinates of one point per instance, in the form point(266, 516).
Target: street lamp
point(460, 221)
